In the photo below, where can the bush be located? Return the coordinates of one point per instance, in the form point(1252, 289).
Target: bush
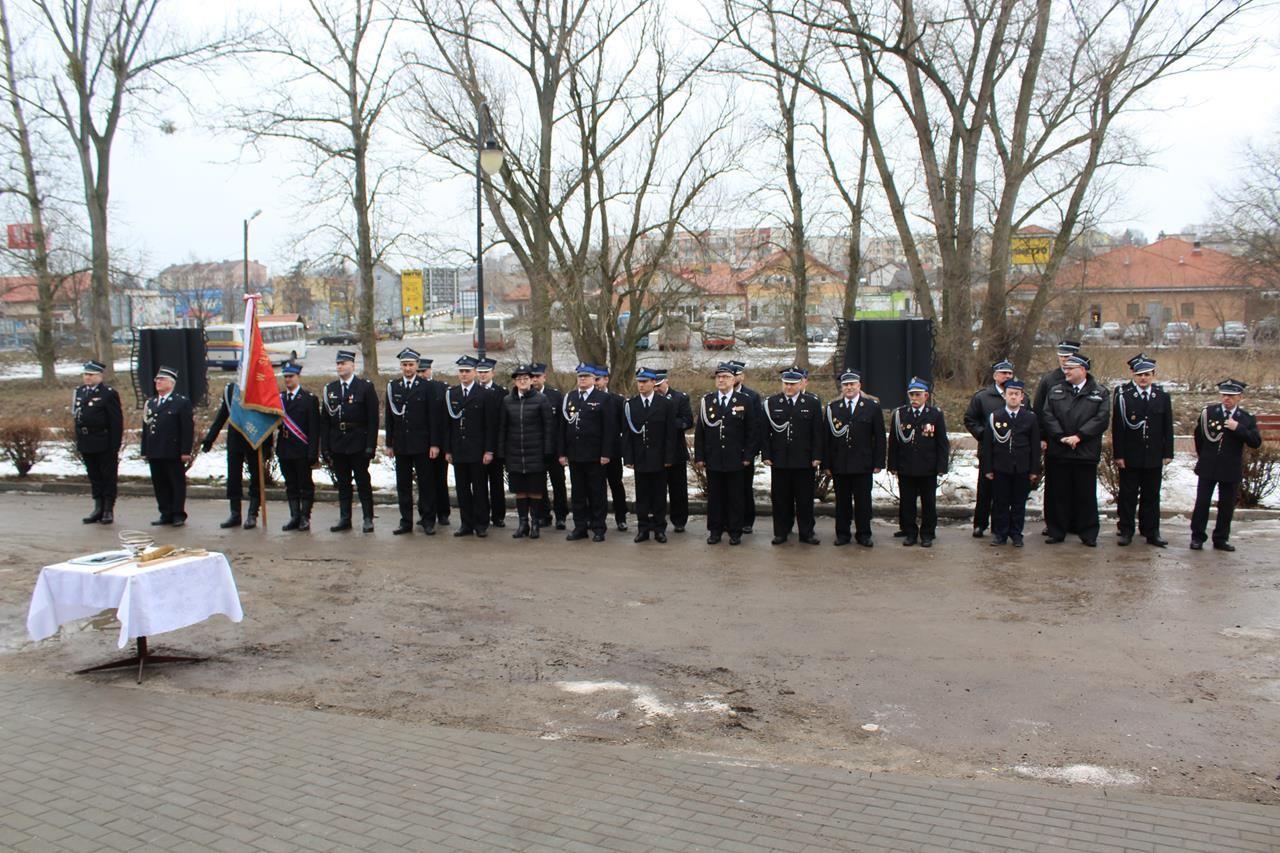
point(1108, 473)
point(22, 441)
point(1261, 474)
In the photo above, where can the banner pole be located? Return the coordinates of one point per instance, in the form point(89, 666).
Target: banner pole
point(262, 489)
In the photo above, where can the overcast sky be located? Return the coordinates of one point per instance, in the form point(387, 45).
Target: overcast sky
point(184, 195)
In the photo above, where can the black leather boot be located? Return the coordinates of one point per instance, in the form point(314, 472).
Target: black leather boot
point(95, 516)
point(108, 511)
point(233, 520)
point(295, 515)
point(522, 511)
point(304, 519)
point(251, 519)
point(344, 517)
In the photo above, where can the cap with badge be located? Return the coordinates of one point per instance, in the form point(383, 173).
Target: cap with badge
point(291, 369)
point(736, 367)
point(92, 366)
point(660, 374)
point(167, 373)
point(466, 362)
point(602, 370)
point(850, 376)
point(424, 363)
point(584, 369)
point(537, 369)
point(794, 373)
point(485, 365)
point(1015, 383)
point(1004, 365)
point(646, 374)
point(917, 384)
point(1142, 363)
point(1231, 386)
point(1078, 360)
point(724, 367)
point(408, 354)
point(521, 370)
point(1066, 347)
point(344, 355)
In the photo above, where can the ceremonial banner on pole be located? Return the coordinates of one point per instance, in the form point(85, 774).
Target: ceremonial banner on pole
point(254, 402)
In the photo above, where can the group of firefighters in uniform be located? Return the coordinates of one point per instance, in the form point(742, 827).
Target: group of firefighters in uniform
point(535, 433)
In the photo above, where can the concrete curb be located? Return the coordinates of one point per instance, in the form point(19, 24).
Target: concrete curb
point(325, 494)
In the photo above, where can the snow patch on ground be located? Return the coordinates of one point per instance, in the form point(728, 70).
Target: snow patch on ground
point(646, 700)
point(1078, 774)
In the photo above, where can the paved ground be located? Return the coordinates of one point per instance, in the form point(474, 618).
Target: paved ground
point(89, 767)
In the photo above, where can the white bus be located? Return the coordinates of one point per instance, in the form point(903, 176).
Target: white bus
point(284, 341)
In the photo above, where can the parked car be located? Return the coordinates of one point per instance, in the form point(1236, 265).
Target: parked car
point(1178, 333)
point(763, 336)
point(387, 332)
point(1093, 336)
point(819, 335)
point(1230, 334)
point(338, 336)
point(1137, 333)
point(1112, 331)
point(1266, 330)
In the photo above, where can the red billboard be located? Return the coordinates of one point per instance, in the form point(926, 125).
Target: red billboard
point(22, 235)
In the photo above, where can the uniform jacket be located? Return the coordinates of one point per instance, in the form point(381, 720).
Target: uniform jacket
point(1011, 445)
point(861, 448)
point(303, 410)
point(235, 441)
point(798, 444)
point(499, 392)
point(654, 439)
point(168, 431)
point(588, 428)
point(556, 399)
point(757, 412)
point(1141, 430)
point(684, 419)
point(350, 424)
point(99, 420)
point(471, 423)
point(918, 444)
point(1050, 379)
point(526, 431)
point(1219, 451)
point(725, 438)
point(417, 427)
point(1085, 414)
point(982, 404)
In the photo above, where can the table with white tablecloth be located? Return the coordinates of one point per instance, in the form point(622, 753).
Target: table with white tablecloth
point(148, 600)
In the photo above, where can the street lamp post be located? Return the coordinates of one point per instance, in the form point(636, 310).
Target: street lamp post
point(488, 162)
point(252, 217)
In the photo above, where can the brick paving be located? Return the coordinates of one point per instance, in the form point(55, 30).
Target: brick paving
point(90, 766)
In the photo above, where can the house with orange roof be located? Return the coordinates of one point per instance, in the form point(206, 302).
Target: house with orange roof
point(770, 289)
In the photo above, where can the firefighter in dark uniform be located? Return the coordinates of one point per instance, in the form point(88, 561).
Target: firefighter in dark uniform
point(412, 439)
point(588, 443)
point(1141, 444)
point(981, 405)
point(792, 448)
point(438, 467)
point(678, 474)
point(919, 453)
point(613, 471)
point(240, 453)
point(1076, 414)
point(298, 447)
point(471, 416)
point(1222, 433)
point(654, 444)
point(558, 500)
point(853, 452)
point(349, 438)
point(99, 426)
point(494, 470)
point(1048, 382)
point(168, 439)
point(1009, 454)
point(725, 435)
point(749, 482)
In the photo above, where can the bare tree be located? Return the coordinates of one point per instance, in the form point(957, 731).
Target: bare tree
point(111, 53)
point(604, 93)
point(1249, 213)
point(854, 202)
point(340, 78)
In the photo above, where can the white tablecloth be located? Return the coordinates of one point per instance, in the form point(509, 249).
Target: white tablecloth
point(148, 601)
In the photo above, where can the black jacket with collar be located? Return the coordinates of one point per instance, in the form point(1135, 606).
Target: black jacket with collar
point(417, 427)
point(169, 430)
point(526, 431)
point(861, 449)
point(303, 410)
point(99, 419)
point(725, 438)
point(798, 444)
point(1141, 430)
point(1013, 447)
point(471, 423)
point(923, 448)
point(588, 428)
point(1086, 414)
point(349, 425)
point(1223, 460)
point(652, 437)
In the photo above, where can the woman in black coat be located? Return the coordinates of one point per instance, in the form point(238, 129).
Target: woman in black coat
point(526, 438)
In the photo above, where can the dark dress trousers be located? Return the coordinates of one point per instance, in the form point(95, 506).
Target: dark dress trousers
point(853, 449)
point(1220, 467)
point(555, 500)
point(168, 434)
point(678, 474)
point(439, 467)
point(239, 455)
point(791, 441)
point(1141, 437)
point(613, 471)
point(919, 452)
point(494, 470)
point(749, 479)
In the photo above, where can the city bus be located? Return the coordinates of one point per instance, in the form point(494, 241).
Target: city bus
point(284, 340)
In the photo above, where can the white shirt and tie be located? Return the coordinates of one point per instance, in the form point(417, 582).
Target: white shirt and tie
point(646, 399)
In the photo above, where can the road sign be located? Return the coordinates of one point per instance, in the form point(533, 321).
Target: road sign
point(410, 293)
point(1031, 250)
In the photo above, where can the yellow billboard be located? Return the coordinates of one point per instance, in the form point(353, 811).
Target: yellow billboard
point(411, 293)
point(1031, 250)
